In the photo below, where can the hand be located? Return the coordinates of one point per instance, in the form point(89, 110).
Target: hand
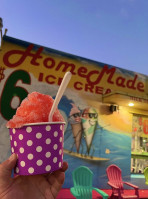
point(45, 186)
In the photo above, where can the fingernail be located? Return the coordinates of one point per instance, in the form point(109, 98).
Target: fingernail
point(12, 157)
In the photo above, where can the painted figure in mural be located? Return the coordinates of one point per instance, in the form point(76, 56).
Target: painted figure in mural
point(89, 123)
point(83, 127)
point(76, 125)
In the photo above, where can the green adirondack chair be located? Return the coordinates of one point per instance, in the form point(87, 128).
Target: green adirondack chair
point(146, 175)
point(82, 180)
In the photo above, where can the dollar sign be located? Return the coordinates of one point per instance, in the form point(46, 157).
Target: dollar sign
point(2, 73)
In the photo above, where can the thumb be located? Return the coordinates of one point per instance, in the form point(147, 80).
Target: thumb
point(6, 169)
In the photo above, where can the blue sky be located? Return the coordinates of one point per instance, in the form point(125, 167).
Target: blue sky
point(109, 31)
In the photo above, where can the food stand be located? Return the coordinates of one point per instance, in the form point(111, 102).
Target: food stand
point(101, 128)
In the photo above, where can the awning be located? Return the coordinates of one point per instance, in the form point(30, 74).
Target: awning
point(121, 99)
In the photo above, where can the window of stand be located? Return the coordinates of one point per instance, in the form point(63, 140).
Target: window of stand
point(139, 145)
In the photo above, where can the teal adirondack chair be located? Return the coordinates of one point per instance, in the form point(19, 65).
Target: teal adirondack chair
point(82, 180)
point(146, 175)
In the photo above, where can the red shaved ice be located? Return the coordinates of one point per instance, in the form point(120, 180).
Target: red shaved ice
point(34, 108)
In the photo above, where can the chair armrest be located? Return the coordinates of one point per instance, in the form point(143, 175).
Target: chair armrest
point(115, 187)
point(102, 193)
point(131, 185)
point(74, 192)
point(112, 185)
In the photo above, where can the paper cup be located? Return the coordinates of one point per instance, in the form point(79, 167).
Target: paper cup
point(39, 147)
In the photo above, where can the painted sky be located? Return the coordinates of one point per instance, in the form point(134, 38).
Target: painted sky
point(109, 31)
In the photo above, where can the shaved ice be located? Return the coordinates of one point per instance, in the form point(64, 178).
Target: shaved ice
point(35, 108)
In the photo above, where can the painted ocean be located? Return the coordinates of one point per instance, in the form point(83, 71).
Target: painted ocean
point(105, 144)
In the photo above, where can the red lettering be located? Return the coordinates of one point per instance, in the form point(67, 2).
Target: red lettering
point(136, 99)
point(89, 76)
point(82, 72)
point(92, 77)
point(140, 86)
point(131, 83)
point(48, 79)
point(49, 62)
point(120, 81)
point(78, 85)
point(99, 90)
point(40, 79)
point(23, 56)
point(66, 66)
point(107, 91)
point(106, 70)
point(89, 88)
point(60, 81)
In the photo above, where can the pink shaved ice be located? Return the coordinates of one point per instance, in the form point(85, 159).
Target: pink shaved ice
point(33, 109)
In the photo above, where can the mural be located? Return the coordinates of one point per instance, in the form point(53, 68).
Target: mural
point(95, 135)
point(88, 141)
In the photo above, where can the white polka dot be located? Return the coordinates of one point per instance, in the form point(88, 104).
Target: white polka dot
point(60, 164)
point(13, 130)
point(55, 159)
point(61, 127)
point(61, 139)
point(48, 128)
point(31, 170)
point(48, 141)
point(39, 149)
point(15, 143)
point(55, 134)
point(60, 151)
point(21, 150)
point(10, 137)
point(29, 142)
point(30, 156)
point(38, 135)
point(28, 129)
point(48, 154)
point(48, 168)
point(20, 136)
point(12, 149)
point(55, 147)
point(22, 163)
point(39, 162)
point(17, 170)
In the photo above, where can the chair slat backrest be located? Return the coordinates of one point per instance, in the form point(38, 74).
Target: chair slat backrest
point(82, 176)
point(114, 175)
point(82, 179)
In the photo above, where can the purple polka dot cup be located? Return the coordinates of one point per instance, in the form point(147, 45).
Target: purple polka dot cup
point(39, 147)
